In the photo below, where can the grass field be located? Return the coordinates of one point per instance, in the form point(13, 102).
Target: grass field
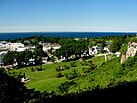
point(46, 80)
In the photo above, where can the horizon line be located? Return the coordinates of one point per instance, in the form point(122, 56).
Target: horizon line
point(65, 31)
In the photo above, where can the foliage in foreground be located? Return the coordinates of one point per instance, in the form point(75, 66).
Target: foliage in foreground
point(108, 75)
point(13, 91)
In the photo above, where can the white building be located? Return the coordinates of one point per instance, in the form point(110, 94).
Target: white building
point(95, 49)
point(20, 49)
point(118, 54)
point(45, 48)
point(13, 46)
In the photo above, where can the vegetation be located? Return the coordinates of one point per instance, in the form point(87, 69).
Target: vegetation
point(71, 47)
point(46, 80)
point(105, 76)
point(72, 74)
point(71, 81)
point(73, 64)
point(22, 58)
point(9, 58)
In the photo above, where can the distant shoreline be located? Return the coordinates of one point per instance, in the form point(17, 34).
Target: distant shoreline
point(17, 35)
point(69, 32)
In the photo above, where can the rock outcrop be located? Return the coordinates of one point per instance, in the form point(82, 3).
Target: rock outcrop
point(131, 51)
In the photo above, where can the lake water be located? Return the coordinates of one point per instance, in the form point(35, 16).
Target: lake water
point(5, 36)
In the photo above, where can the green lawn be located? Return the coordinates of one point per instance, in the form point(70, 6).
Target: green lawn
point(98, 60)
point(46, 80)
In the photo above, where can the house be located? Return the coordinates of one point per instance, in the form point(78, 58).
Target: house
point(13, 46)
point(20, 49)
point(95, 49)
point(31, 61)
point(118, 54)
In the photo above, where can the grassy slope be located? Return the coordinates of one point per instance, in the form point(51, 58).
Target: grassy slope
point(107, 75)
point(46, 80)
point(101, 77)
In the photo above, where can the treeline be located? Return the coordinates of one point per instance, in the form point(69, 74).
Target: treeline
point(22, 58)
point(33, 39)
point(71, 47)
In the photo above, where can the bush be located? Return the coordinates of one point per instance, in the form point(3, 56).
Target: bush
point(64, 87)
point(59, 68)
point(71, 74)
point(84, 63)
point(92, 67)
point(86, 70)
point(89, 68)
point(33, 69)
point(53, 59)
point(39, 68)
point(87, 63)
point(59, 74)
point(73, 64)
point(66, 67)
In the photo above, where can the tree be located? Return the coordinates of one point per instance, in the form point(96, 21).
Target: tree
point(59, 75)
point(71, 74)
point(72, 47)
point(53, 59)
point(89, 66)
point(115, 46)
point(39, 53)
point(36, 41)
point(80, 47)
point(64, 51)
point(64, 87)
point(12, 90)
point(92, 43)
point(22, 58)
point(9, 57)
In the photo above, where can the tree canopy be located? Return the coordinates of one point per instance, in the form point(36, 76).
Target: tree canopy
point(72, 47)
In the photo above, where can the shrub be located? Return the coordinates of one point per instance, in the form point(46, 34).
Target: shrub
point(33, 69)
point(84, 63)
point(130, 62)
point(92, 67)
point(53, 59)
point(86, 70)
point(71, 74)
point(66, 67)
point(59, 74)
point(90, 62)
point(59, 68)
point(87, 63)
point(39, 68)
point(73, 64)
point(64, 87)
point(89, 68)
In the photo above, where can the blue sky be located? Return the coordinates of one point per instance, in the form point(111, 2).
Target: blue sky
point(68, 15)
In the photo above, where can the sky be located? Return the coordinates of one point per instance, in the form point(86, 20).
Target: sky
point(68, 15)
